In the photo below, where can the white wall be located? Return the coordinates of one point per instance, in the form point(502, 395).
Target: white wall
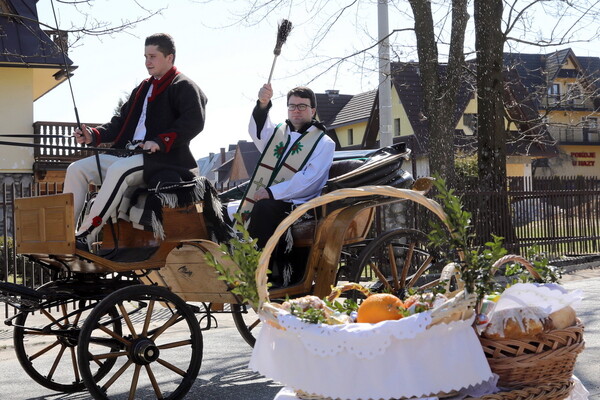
point(16, 114)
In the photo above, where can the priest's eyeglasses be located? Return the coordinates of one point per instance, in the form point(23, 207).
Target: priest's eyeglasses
point(299, 107)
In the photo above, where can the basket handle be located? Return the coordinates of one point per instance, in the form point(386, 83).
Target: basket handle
point(401, 194)
point(338, 290)
point(517, 259)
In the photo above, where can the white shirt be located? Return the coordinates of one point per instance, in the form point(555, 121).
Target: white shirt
point(140, 129)
point(307, 183)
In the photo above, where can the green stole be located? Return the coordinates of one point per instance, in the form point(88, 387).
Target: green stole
point(273, 167)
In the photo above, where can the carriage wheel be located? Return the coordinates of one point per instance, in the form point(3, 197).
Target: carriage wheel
point(348, 261)
point(49, 355)
point(398, 260)
point(246, 321)
point(155, 357)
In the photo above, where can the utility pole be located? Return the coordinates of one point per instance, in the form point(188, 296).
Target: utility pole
point(385, 87)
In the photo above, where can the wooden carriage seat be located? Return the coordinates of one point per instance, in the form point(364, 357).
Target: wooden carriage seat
point(303, 232)
point(180, 224)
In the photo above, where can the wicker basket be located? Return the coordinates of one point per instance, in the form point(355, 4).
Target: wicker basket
point(548, 358)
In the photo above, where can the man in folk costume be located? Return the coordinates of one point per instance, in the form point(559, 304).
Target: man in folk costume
point(162, 115)
point(294, 163)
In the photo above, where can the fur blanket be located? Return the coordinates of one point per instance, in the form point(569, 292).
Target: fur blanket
point(143, 207)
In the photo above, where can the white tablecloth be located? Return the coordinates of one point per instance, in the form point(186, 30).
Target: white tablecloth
point(375, 362)
point(579, 392)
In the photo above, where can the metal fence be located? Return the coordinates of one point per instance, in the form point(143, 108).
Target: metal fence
point(560, 215)
point(16, 268)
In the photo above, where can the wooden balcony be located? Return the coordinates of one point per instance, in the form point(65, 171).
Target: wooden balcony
point(570, 103)
point(50, 163)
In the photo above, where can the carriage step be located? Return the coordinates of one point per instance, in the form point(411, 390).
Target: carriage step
point(13, 289)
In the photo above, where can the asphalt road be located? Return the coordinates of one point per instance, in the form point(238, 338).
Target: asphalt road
point(224, 374)
point(587, 368)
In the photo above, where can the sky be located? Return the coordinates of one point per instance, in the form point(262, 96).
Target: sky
point(228, 59)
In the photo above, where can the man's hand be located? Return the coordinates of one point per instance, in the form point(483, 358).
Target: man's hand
point(264, 95)
point(261, 193)
point(83, 135)
point(150, 146)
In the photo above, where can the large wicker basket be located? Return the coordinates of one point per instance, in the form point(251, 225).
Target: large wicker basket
point(548, 358)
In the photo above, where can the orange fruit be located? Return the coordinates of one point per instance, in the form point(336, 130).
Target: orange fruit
point(379, 307)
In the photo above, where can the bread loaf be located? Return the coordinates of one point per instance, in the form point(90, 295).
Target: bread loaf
point(517, 323)
point(563, 318)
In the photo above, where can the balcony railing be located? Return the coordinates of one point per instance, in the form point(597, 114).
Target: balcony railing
point(564, 102)
point(52, 159)
point(575, 135)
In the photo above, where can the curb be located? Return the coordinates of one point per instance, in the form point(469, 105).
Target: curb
point(576, 263)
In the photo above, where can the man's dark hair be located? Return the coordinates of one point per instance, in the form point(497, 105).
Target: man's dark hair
point(304, 93)
point(164, 42)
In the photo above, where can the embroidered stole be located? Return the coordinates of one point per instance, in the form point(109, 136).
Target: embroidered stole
point(273, 167)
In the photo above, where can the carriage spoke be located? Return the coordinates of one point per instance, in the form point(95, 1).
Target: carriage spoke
point(148, 318)
point(407, 263)
point(171, 366)
point(74, 362)
point(44, 350)
point(65, 312)
point(106, 356)
point(422, 268)
point(56, 361)
point(38, 333)
point(380, 276)
point(175, 344)
point(77, 318)
point(134, 382)
point(254, 324)
point(155, 386)
point(116, 375)
point(127, 320)
point(430, 285)
point(112, 334)
point(393, 266)
point(51, 318)
point(176, 317)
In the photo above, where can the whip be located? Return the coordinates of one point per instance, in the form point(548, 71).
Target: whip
point(64, 56)
point(285, 26)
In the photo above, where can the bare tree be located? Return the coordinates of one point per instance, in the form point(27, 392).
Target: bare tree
point(85, 23)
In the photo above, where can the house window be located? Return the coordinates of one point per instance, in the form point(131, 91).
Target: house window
point(396, 126)
point(554, 93)
point(350, 136)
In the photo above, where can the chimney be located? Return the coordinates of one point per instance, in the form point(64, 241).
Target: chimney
point(223, 155)
point(332, 93)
